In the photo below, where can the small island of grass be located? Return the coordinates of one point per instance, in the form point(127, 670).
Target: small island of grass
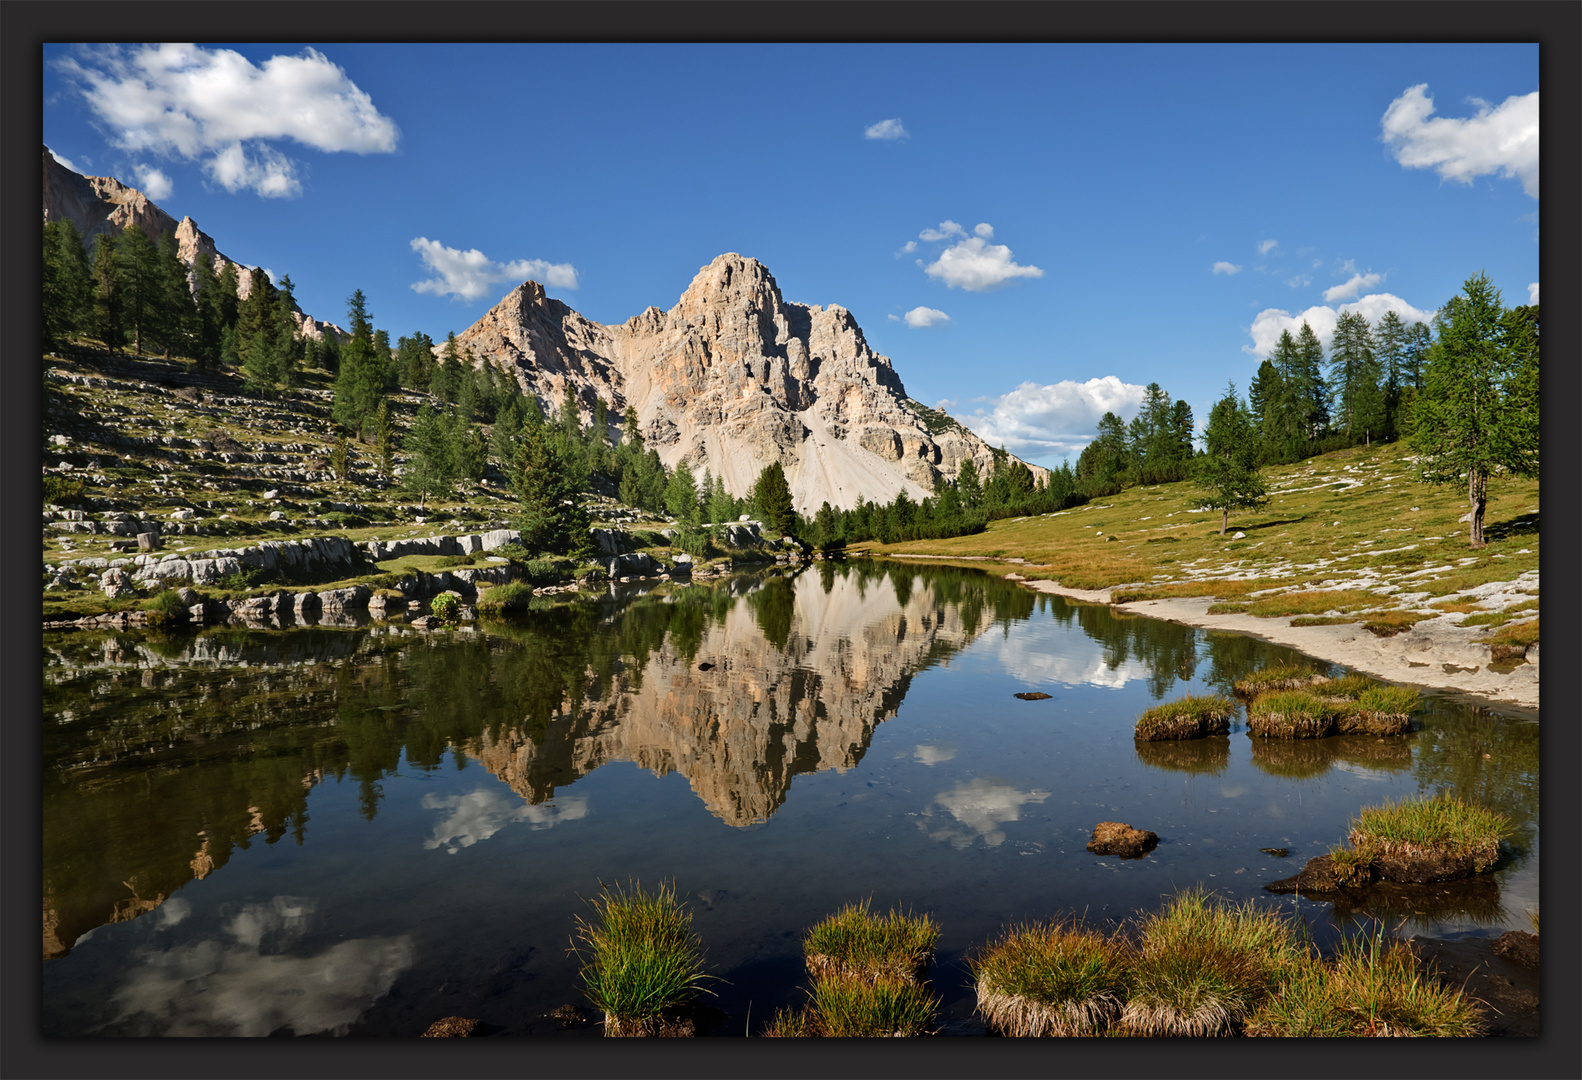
point(1188, 718)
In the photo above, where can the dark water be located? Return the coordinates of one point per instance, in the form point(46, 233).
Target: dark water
point(361, 830)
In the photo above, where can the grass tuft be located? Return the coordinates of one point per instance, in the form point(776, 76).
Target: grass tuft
point(1278, 677)
point(1188, 718)
point(886, 1008)
point(1294, 714)
point(1441, 825)
point(642, 965)
point(1053, 979)
point(1322, 620)
point(855, 943)
point(1373, 988)
point(1204, 965)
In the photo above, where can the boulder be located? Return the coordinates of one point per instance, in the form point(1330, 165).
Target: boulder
point(353, 596)
point(148, 541)
point(116, 583)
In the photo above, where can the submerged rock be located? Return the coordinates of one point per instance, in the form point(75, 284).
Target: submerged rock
point(1034, 695)
point(453, 1027)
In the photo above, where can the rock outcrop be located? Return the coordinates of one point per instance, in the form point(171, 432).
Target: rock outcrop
point(99, 205)
point(734, 377)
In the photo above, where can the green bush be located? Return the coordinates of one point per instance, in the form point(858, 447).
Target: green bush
point(58, 489)
point(512, 596)
point(697, 544)
point(165, 608)
point(446, 606)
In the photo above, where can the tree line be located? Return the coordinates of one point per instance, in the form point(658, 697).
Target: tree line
point(1465, 394)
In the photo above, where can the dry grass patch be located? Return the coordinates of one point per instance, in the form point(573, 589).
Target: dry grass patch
point(1180, 589)
point(1513, 640)
point(1390, 623)
point(1053, 979)
point(1190, 717)
point(1311, 603)
point(1322, 620)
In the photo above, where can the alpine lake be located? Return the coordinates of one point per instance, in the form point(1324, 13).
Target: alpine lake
point(359, 829)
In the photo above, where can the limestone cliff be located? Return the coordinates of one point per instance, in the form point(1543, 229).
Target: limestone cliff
point(99, 205)
point(734, 377)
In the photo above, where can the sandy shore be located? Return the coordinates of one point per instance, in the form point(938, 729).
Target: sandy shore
point(1435, 654)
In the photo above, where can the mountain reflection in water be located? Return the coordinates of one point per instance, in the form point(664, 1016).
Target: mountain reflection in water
point(179, 774)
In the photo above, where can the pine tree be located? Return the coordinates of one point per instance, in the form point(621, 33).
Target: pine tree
point(178, 314)
point(681, 496)
point(384, 432)
point(1478, 411)
point(1353, 376)
point(968, 485)
point(1311, 394)
point(552, 516)
point(137, 265)
point(430, 467)
point(360, 385)
point(1228, 469)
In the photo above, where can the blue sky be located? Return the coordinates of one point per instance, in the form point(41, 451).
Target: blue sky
point(1082, 219)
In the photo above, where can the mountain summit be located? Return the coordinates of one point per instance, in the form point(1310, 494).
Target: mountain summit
point(734, 377)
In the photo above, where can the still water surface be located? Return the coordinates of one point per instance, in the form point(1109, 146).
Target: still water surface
point(358, 830)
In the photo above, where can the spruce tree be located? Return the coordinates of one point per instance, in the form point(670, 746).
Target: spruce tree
point(968, 485)
point(552, 517)
point(430, 466)
point(178, 315)
point(67, 282)
point(142, 289)
point(1312, 395)
point(108, 318)
point(773, 497)
point(1353, 376)
point(1228, 469)
point(681, 496)
point(360, 385)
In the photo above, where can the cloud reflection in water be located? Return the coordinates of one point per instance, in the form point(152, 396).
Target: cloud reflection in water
point(482, 813)
point(982, 805)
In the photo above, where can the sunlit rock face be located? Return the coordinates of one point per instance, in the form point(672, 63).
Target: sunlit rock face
point(732, 378)
point(798, 687)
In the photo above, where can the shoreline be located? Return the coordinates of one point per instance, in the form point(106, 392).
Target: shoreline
point(1434, 654)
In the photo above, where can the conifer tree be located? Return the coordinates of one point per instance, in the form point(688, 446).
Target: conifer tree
point(178, 315)
point(552, 517)
point(681, 496)
point(430, 467)
point(137, 265)
point(773, 497)
point(1354, 376)
point(1228, 470)
point(384, 432)
point(1478, 411)
point(67, 282)
point(360, 384)
point(108, 302)
point(968, 485)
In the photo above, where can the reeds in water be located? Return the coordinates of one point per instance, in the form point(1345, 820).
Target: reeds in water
point(642, 964)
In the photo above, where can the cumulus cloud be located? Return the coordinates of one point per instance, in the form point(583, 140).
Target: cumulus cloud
point(483, 813)
point(1532, 293)
point(926, 316)
point(972, 263)
point(66, 162)
point(907, 248)
point(216, 106)
point(979, 807)
point(1053, 420)
point(1499, 139)
point(1223, 267)
point(152, 182)
point(1271, 322)
point(886, 129)
point(469, 275)
point(251, 986)
point(1355, 285)
point(1266, 246)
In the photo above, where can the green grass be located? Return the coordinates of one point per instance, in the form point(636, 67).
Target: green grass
point(1051, 979)
point(512, 596)
point(641, 963)
point(1518, 634)
point(1443, 824)
point(1321, 620)
point(855, 943)
point(1277, 677)
point(854, 1009)
point(1227, 609)
point(1187, 718)
point(1203, 965)
point(1311, 603)
point(1372, 988)
point(1294, 714)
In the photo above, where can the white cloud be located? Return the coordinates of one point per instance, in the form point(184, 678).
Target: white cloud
point(1223, 267)
point(1299, 281)
point(1355, 285)
point(1266, 246)
point(925, 316)
point(1055, 419)
point(481, 814)
point(243, 987)
point(982, 806)
point(909, 247)
point(215, 105)
point(984, 229)
point(886, 129)
point(469, 275)
point(976, 265)
point(946, 230)
point(66, 162)
point(152, 182)
point(1496, 139)
point(1268, 324)
point(1532, 293)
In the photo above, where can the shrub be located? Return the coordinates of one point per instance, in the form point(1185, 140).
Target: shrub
point(1189, 718)
point(1203, 966)
point(446, 605)
point(1443, 825)
point(642, 965)
point(697, 544)
point(1052, 979)
point(58, 489)
point(165, 608)
point(855, 943)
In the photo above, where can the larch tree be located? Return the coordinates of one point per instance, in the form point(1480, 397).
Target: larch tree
point(1478, 410)
point(772, 494)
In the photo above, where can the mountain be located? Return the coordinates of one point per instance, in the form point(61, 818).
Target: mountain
point(99, 205)
point(733, 377)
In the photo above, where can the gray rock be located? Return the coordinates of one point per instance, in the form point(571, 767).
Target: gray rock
point(353, 596)
point(147, 541)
